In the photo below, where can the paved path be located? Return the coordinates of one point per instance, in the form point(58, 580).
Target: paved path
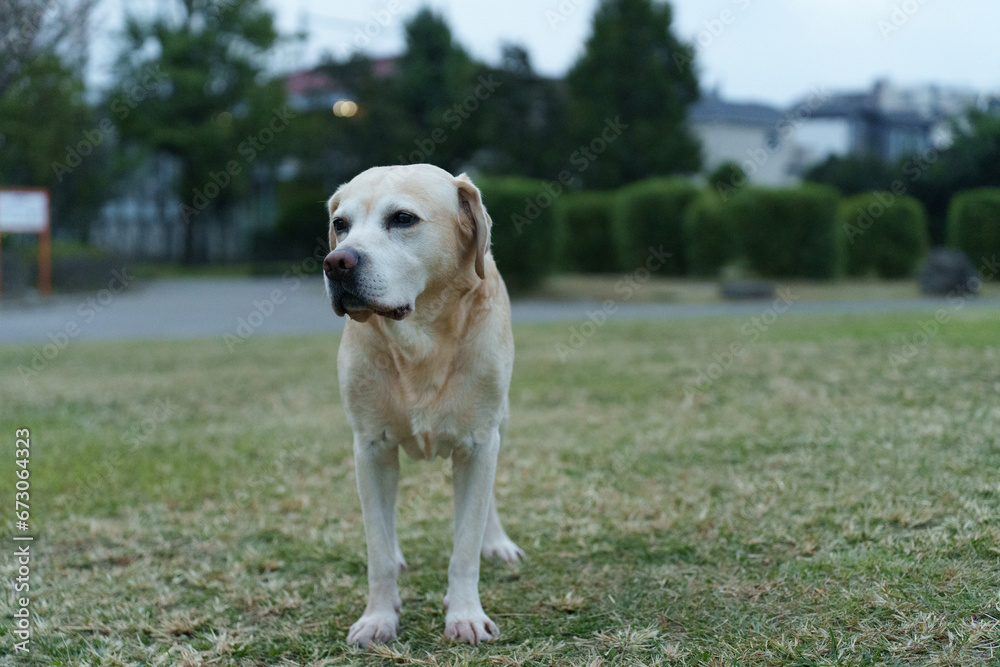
point(193, 308)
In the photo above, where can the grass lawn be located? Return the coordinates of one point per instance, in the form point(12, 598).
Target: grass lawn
point(830, 496)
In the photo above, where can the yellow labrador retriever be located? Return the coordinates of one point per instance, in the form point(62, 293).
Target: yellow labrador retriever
point(424, 364)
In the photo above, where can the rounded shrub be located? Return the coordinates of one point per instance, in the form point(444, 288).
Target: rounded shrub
point(886, 235)
point(709, 234)
point(587, 220)
point(727, 178)
point(789, 232)
point(650, 214)
point(974, 225)
point(525, 235)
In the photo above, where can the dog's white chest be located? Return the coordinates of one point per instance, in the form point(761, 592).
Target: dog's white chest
point(429, 404)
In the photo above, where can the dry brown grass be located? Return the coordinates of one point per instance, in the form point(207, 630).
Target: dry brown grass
point(817, 504)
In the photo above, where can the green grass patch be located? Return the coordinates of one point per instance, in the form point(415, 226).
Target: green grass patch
point(826, 498)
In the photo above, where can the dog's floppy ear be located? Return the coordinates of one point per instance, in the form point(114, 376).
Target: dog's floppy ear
point(331, 206)
point(472, 214)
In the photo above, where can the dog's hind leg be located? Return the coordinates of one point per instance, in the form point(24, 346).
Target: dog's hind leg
point(496, 544)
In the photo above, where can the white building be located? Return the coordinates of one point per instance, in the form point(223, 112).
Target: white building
point(751, 135)
point(887, 121)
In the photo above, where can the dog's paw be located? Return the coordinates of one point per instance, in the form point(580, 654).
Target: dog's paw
point(470, 628)
point(504, 549)
point(379, 626)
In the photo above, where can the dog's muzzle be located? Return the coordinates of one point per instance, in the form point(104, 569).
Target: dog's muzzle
point(342, 268)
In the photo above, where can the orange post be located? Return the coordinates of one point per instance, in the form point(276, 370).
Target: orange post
point(45, 262)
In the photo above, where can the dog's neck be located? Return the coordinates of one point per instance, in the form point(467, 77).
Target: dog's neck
point(441, 315)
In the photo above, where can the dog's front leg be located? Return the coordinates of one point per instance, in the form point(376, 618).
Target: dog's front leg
point(377, 467)
point(474, 467)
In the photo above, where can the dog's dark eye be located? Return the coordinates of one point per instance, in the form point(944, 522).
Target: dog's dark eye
point(339, 225)
point(402, 219)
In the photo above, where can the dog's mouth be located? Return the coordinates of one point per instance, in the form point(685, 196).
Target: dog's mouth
point(346, 303)
point(398, 313)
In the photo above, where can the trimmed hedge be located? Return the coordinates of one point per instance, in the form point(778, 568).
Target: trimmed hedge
point(651, 214)
point(709, 234)
point(525, 234)
point(587, 219)
point(974, 225)
point(789, 232)
point(886, 234)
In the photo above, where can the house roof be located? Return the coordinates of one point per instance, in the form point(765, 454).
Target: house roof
point(309, 81)
point(866, 106)
point(712, 109)
point(317, 81)
point(385, 67)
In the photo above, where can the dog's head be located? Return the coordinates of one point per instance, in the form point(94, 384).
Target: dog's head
point(396, 232)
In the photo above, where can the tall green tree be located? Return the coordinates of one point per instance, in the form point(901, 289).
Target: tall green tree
point(434, 74)
point(517, 124)
point(405, 114)
point(49, 135)
point(195, 75)
point(634, 69)
point(331, 149)
point(383, 129)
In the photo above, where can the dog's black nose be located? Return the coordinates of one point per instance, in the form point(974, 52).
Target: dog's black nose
point(340, 262)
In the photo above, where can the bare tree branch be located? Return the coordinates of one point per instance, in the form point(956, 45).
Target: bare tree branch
point(29, 28)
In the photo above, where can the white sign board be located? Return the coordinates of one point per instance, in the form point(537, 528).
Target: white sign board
point(24, 211)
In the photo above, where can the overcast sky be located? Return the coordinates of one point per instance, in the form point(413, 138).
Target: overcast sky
point(769, 50)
